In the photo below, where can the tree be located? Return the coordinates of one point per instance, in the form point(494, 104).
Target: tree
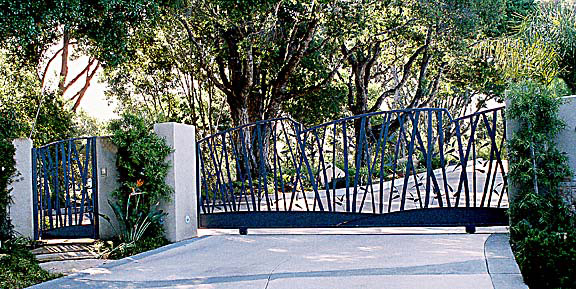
point(261, 54)
point(31, 29)
point(41, 118)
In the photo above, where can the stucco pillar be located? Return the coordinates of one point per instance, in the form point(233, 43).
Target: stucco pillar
point(22, 208)
point(566, 142)
point(566, 139)
point(107, 183)
point(512, 127)
point(181, 222)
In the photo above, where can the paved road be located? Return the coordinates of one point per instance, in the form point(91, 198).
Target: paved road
point(417, 260)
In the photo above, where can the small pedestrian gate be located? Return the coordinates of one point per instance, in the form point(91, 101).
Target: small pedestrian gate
point(65, 189)
point(415, 167)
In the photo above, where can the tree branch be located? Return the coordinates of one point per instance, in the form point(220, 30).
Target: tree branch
point(405, 76)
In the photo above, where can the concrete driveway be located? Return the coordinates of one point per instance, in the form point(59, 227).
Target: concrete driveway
point(354, 258)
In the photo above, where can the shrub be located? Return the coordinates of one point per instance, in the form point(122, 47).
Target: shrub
point(542, 228)
point(19, 267)
point(543, 237)
point(7, 171)
point(142, 169)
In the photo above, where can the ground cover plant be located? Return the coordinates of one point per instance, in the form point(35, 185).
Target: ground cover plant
point(19, 267)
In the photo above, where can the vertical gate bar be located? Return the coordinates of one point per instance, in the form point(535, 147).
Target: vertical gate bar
point(264, 171)
point(310, 173)
point(64, 159)
point(499, 160)
point(77, 206)
point(424, 151)
point(384, 140)
point(68, 173)
point(230, 183)
point(95, 215)
point(409, 162)
point(297, 132)
point(474, 170)
point(489, 172)
point(442, 159)
point(198, 176)
point(334, 167)
point(239, 174)
point(74, 207)
point(322, 166)
point(464, 161)
point(429, 159)
point(248, 170)
point(492, 134)
point(205, 207)
point(276, 166)
point(395, 164)
point(83, 205)
point(40, 195)
point(346, 172)
point(57, 185)
point(218, 171)
point(35, 193)
point(358, 161)
point(417, 184)
point(223, 187)
point(48, 198)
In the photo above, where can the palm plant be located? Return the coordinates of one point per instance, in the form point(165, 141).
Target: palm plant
point(542, 48)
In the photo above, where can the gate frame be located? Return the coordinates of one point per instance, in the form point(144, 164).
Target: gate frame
point(76, 231)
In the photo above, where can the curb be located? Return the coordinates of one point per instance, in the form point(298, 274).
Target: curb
point(501, 265)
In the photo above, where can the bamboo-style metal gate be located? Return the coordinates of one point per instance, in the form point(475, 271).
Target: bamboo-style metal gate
point(65, 189)
point(416, 167)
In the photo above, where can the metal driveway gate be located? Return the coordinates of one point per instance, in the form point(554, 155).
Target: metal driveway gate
point(416, 167)
point(65, 189)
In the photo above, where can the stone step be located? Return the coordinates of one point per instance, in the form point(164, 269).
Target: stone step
point(50, 249)
point(84, 241)
point(66, 256)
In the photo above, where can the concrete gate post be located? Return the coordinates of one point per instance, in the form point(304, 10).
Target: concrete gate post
point(22, 208)
point(107, 178)
point(182, 220)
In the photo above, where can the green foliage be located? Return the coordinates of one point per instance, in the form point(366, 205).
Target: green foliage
point(131, 231)
point(142, 169)
point(535, 107)
point(19, 267)
point(102, 28)
point(146, 243)
point(543, 229)
point(543, 46)
point(7, 171)
point(544, 240)
point(20, 98)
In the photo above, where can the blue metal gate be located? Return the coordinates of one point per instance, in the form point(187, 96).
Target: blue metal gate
point(416, 167)
point(65, 189)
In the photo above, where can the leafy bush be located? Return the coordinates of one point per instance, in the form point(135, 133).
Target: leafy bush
point(19, 267)
point(535, 107)
point(543, 229)
point(543, 237)
point(7, 170)
point(142, 169)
